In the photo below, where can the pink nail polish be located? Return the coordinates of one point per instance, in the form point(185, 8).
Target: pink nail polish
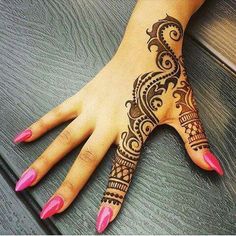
point(52, 207)
point(23, 136)
point(212, 161)
point(26, 180)
point(103, 218)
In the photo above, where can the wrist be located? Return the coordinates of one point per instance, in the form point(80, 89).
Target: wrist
point(133, 46)
point(147, 12)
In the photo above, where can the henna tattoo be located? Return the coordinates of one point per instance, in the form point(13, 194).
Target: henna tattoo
point(114, 198)
point(189, 118)
point(147, 94)
point(146, 100)
point(113, 194)
point(111, 200)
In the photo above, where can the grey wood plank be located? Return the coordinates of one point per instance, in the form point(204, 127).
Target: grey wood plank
point(214, 26)
point(49, 50)
point(30, 206)
point(15, 218)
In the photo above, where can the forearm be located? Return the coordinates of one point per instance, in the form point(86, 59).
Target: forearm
point(147, 12)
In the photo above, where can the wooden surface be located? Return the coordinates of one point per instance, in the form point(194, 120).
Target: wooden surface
point(48, 51)
point(15, 215)
point(214, 27)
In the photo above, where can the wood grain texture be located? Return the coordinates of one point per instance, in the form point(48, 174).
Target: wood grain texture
point(15, 218)
point(214, 26)
point(51, 49)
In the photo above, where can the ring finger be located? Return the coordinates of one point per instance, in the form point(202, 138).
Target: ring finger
point(90, 156)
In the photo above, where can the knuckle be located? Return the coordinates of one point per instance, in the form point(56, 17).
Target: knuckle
point(43, 161)
point(88, 156)
point(65, 137)
point(42, 124)
point(57, 111)
point(67, 186)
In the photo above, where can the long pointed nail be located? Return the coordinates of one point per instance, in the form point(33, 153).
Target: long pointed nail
point(22, 136)
point(52, 207)
point(26, 180)
point(103, 219)
point(212, 161)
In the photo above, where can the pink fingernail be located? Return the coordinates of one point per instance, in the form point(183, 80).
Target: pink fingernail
point(213, 162)
point(103, 219)
point(23, 136)
point(26, 180)
point(52, 207)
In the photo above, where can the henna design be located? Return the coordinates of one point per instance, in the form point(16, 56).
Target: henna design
point(111, 200)
point(147, 92)
point(113, 194)
point(114, 198)
point(189, 118)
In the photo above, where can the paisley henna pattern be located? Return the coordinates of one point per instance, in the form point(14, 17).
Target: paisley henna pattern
point(147, 94)
point(189, 118)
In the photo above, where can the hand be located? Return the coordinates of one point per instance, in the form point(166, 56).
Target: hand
point(121, 105)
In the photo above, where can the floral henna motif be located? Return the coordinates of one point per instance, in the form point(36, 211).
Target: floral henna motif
point(147, 94)
point(189, 118)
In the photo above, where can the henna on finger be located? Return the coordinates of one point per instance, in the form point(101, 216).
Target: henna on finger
point(189, 118)
point(147, 94)
point(144, 114)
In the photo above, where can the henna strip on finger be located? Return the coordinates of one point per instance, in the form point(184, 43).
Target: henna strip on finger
point(189, 118)
point(147, 93)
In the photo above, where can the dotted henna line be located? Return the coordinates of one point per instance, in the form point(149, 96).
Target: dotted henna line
point(113, 195)
point(111, 200)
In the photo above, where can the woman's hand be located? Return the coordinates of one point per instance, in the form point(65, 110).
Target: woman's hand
point(143, 86)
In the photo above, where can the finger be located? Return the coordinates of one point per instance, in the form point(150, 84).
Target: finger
point(68, 110)
point(120, 176)
point(90, 156)
point(69, 138)
point(190, 128)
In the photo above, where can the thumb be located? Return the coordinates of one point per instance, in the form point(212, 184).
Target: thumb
point(190, 128)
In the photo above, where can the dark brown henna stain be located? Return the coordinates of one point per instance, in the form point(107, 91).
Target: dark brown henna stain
point(147, 91)
point(114, 198)
point(189, 118)
point(113, 194)
point(111, 200)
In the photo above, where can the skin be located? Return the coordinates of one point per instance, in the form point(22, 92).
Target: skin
point(98, 110)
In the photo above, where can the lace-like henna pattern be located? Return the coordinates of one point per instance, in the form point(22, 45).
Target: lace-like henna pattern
point(188, 117)
point(147, 92)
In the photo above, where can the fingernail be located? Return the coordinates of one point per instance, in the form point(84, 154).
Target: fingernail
point(26, 180)
point(23, 136)
point(103, 219)
point(51, 207)
point(212, 161)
